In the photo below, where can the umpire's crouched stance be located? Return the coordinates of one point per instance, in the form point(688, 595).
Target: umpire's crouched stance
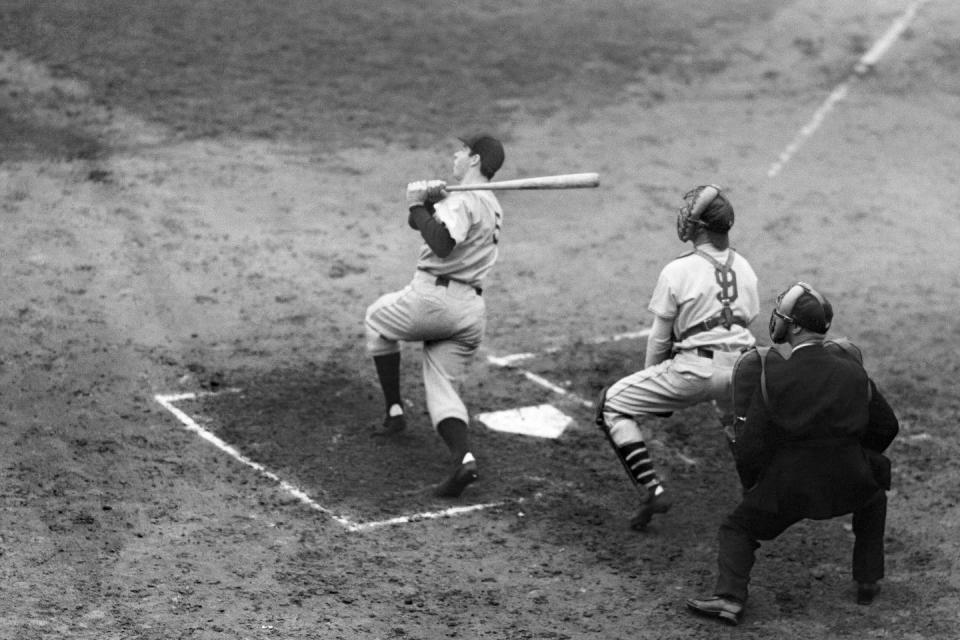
point(810, 447)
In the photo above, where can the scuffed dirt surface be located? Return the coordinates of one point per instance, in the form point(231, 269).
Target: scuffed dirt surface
point(205, 196)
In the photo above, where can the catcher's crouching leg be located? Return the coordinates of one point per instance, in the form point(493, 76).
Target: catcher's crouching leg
point(624, 435)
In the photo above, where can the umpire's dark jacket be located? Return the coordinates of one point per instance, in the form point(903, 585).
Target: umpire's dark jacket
point(812, 450)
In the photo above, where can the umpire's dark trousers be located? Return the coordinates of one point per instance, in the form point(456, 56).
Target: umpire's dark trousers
point(741, 530)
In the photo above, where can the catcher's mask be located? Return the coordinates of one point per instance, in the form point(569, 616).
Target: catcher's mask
point(800, 305)
point(705, 208)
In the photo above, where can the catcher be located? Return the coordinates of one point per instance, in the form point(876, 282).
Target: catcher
point(703, 304)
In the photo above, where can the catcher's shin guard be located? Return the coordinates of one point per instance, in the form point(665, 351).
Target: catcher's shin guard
point(636, 460)
point(601, 401)
point(632, 455)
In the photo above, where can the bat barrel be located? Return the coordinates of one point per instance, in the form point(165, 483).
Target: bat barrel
point(562, 181)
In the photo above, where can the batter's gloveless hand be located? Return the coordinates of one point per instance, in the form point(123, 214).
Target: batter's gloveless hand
point(436, 190)
point(416, 193)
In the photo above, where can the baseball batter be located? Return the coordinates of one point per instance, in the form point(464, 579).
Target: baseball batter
point(443, 306)
point(702, 304)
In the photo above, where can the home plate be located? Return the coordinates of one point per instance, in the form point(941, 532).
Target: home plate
point(542, 421)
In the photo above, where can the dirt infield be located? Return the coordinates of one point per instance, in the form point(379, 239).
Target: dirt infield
point(203, 197)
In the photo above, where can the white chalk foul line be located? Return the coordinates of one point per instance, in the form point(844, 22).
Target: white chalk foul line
point(865, 64)
point(509, 362)
point(629, 335)
point(835, 96)
point(167, 402)
point(880, 47)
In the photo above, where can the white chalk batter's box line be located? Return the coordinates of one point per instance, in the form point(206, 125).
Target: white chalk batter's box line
point(169, 402)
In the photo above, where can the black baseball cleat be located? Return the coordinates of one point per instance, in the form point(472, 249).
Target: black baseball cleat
point(725, 610)
point(866, 592)
point(464, 475)
point(657, 502)
point(392, 426)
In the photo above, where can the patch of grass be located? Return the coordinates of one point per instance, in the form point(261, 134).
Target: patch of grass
point(23, 139)
point(337, 73)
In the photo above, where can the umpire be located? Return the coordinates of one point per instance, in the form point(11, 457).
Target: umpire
point(811, 447)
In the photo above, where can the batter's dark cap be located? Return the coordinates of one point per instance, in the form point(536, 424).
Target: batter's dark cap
point(718, 216)
point(489, 149)
point(810, 314)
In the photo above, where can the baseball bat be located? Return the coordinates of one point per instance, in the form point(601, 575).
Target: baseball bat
point(563, 181)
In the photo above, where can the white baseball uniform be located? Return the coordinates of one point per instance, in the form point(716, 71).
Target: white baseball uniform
point(695, 364)
point(443, 306)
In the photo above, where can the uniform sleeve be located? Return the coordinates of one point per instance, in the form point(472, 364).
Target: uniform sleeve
point(454, 213)
point(659, 342)
point(663, 302)
point(434, 232)
point(414, 215)
point(883, 426)
point(747, 288)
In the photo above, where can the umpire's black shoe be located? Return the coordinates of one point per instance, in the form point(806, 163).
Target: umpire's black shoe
point(866, 592)
point(392, 426)
point(463, 475)
point(726, 610)
point(657, 502)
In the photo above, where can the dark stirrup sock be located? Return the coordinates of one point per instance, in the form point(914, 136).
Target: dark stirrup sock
point(388, 371)
point(454, 434)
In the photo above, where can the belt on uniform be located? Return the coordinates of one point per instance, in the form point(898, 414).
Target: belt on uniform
point(709, 353)
point(700, 351)
point(443, 281)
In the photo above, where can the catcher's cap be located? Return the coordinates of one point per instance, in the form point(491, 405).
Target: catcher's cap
point(718, 216)
point(811, 314)
point(489, 149)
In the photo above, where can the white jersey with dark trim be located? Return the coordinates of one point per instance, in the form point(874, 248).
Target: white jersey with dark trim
point(687, 294)
point(474, 220)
